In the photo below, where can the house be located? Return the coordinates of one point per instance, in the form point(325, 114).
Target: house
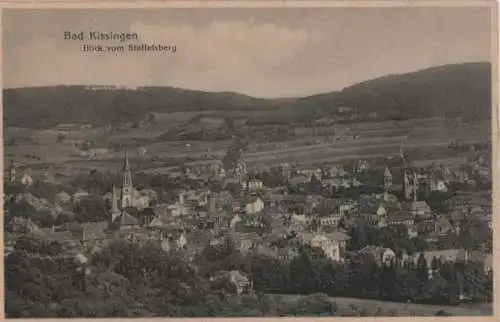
point(236, 219)
point(125, 222)
point(254, 205)
point(298, 180)
point(337, 171)
point(27, 180)
point(63, 198)
point(380, 254)
point(437, 183)
point(466, 200)
point(332, 184)
point(401, 218)
point(417, 208)
point(255, 185)
point(240, 282)
point(146, 216)
point(309, 172)
point(443, 226)
point(65, 238)
point(448, 255)
point(333, 244)
point(488, 264)
point(173, 240)
point(245, 241)
point(333, 220)
point(79, 195)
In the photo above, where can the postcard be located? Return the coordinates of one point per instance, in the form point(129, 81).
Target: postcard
point(249, 159)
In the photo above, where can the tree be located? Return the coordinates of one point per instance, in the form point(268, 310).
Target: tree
point(438, 291)
point(231, 158)
point(421, 269)
point(386, 281)
point(91, 208)
point(151, 118)
point(442, 313)
point(60, 138)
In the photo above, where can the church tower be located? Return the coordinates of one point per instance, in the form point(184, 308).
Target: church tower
point(408, 185)
point(115, 211)
point(411, 186)
point(387, 178)
point(415, 186)
point(127, 189)
point(387, 182)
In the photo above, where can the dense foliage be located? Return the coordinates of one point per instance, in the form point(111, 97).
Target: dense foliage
point(126, 279)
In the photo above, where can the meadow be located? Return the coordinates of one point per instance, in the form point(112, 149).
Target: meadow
point(429, 137)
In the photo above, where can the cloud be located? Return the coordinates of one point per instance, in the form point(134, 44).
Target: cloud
point(263, 56)
point(223, 42)
point(218, 55)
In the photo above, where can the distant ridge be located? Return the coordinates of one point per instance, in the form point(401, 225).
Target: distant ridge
point(449, 91)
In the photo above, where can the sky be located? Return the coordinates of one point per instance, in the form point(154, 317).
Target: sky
point(261, 52)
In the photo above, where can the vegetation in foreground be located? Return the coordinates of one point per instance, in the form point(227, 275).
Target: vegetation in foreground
point(126, 280)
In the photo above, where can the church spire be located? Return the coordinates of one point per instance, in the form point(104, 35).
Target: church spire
point(127, 187)
point(126, 166)
point(402, 154)
point(387, 182)
point(115, 211)
point(387, 177)
point(415, 186)
point(114, 204)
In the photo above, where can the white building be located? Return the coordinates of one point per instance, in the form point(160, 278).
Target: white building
point(255, 205)
point(255, 185)
point(333, 244)
point(27, 180)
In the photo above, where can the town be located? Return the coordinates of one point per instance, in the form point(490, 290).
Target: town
point(243, 161)
point(376, 223)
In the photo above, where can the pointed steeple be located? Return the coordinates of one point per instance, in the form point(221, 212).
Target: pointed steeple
point(408, 186)
point(127, 187)
point(114, 204)
point(115, 210)
point(415, 186)
point(126, 165)
point(402, 155)
point(387, 177)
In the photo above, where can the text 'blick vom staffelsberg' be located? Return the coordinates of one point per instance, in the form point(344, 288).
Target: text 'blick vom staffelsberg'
point(115, 42)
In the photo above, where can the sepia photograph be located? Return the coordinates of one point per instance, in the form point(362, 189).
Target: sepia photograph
point(238, 161)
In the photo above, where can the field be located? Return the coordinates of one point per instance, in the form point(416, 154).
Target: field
point(344, 305)
point(424, 139)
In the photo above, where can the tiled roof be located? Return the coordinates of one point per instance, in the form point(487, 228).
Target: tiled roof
point(61, 236)
point(95, 225)
point(416, 206)
point(401, 215)
point(94, 234)
point(125, 219)
point(337, 235)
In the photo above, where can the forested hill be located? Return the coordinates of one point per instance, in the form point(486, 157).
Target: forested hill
point(47, 106)
point(450, 90)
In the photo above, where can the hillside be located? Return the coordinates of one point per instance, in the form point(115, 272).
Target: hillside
point(445, 91)
point(449, 91)
point(47, 106)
